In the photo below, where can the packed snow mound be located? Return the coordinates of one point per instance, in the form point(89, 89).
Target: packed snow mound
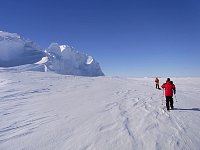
point(17, 51)
point(64, 59)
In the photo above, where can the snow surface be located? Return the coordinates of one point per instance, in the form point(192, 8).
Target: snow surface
point(47, 111)
point(43, 60)
point(62, 59)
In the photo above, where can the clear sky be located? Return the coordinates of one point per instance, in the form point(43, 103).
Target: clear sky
point(127, 37)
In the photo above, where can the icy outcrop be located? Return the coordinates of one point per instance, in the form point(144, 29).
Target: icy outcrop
point(66, 60)
point(15, 51)
point(22, 55)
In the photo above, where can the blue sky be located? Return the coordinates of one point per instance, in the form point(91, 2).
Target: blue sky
point(127, 37)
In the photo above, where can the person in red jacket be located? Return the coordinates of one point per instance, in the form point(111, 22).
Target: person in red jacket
point(169, 90)
point(157, 83)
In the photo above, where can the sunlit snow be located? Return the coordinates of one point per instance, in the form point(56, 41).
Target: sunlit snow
point(89, 60)
point(51, 111)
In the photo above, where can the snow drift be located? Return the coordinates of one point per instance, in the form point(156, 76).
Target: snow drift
point(61, 59)
point(15, 51)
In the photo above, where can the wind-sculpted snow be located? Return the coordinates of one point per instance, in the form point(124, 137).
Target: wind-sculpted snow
point(50, 111)
point(66, 60)
point(62, 59)
point(15, 51)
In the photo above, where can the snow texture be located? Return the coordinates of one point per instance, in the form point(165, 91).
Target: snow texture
point(47, 111)
point(62, 59)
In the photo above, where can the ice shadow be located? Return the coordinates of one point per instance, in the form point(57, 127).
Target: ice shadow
point(192, 109)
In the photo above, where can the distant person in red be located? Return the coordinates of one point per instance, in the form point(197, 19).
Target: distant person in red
point(157, 83)
point(169, 90)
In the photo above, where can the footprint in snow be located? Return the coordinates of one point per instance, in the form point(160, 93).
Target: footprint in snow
point(110, 106)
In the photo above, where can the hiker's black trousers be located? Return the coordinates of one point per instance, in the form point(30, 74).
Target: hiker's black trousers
point(157, 86)
point(169, 101)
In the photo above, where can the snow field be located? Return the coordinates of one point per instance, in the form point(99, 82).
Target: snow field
point(51, 111)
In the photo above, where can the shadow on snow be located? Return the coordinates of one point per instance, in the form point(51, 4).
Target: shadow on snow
point(193, 109)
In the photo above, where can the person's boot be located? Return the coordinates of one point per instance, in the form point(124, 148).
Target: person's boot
point(167, 105)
